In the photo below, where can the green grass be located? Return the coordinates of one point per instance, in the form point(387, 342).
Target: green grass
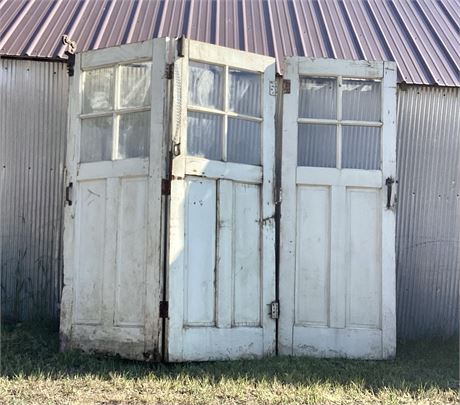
point(33, 372)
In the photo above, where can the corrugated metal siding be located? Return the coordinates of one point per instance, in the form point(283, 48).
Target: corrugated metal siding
point(428, 218)
point(421, 36)
point(33, 114)
point(33, 100)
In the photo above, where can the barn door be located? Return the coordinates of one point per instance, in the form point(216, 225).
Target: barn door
point(221, 276)
point(113, 212)
point(337, 271)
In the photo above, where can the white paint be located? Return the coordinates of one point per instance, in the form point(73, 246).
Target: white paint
point(337, 236)
point(221, 270)
point(200, 227)
point(112, 237)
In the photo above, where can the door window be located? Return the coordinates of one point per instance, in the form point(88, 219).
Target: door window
point(339, 123)
point(115, 118)
point(224, 114)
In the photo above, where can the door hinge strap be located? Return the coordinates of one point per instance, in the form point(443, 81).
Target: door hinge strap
point(165, 187)
point(274, 309)
point(164, 309)
point(169, 71)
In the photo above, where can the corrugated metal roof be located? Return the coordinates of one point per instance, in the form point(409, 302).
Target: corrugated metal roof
point(421, 36)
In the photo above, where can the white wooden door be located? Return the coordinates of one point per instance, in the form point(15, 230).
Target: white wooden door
point(337, 269)
point(221, 275)
point(113, 214)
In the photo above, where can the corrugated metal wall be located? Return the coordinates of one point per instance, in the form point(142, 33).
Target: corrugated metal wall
point(33, 102)
point(33, 108)
point(428, 218)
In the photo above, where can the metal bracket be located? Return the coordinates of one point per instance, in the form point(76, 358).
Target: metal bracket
point(164, 309)
point(180, 46)
point(274, 309)
point(70, 52)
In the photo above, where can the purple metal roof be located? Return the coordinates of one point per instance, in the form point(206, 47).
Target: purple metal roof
point(421, 36)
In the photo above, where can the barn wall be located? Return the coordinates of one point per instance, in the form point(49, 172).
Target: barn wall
point(33, 102)
point(33, 106)
point(428, 216)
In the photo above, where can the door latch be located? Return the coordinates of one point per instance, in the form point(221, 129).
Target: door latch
point(274, 309)
point(68, 194)
point(389, 183)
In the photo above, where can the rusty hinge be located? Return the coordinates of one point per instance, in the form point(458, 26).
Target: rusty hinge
point(274, 85)
point(274, 309)
point(165, 187)
point(164, 309)
point(169, 71)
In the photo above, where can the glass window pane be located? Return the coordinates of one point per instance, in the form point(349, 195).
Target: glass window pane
point(318, 98)
point(361, 147)
point(205, 85)
point(96, 139)
point(204, 134)
point(244, 92)
point(98, 90)
point(317, 145)
point(361, 100)
point(135, 84)
point(133, 138)
point(243, 141)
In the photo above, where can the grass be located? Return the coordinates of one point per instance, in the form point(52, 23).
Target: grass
point(33, 372)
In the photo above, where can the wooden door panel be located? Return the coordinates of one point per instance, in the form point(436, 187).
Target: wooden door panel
point(337, 267)
point(221, 275)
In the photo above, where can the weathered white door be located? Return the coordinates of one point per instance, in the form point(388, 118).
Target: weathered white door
point(113, 214)
point(221, 275)
point(337, 270)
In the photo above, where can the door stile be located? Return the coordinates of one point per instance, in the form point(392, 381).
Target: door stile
point(176, 245)
point(288, 211)
point(67, 302)
point(154, 262)
point(388, 215)
point(268, 210)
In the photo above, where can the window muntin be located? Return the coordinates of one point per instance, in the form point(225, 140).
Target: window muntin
point(339, 123)
point(115, 118)
point(224, 113)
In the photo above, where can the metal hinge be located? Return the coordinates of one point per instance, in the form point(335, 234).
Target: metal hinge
point(165, 187)
point(169, 71)
point(164, 309)
point(274, 309)
point(274, 84)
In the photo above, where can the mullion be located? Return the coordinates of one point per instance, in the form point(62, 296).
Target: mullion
point(115, 117)
point(225, 124)
point(338, 156)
